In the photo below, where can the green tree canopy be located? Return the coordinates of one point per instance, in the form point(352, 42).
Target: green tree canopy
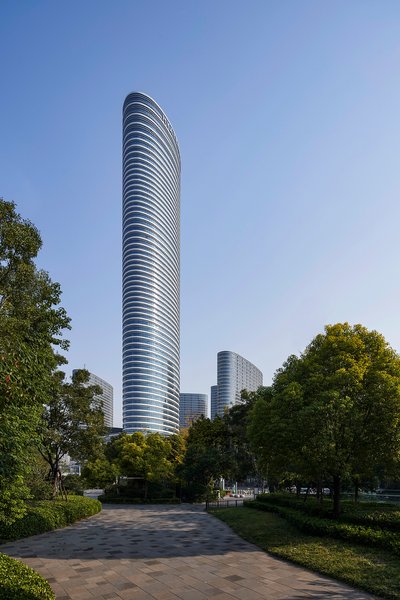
point(151, 457)
point(243, 461)
point(31, 326)
point(208, 457)
point(72, 421)
point(334, 411)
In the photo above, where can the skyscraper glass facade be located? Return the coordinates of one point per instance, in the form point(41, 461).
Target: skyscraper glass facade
point(234, 374)
point(214, 401)
point(151, 268)
point(192, 406)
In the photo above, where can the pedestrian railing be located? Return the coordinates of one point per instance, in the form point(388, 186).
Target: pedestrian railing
point(234, 503)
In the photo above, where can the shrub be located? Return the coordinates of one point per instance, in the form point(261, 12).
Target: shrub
point(125, 500)
point(19, 582)
point(41, 490)
point(135, 490)
point(37, 480)
point(358, 534)
point(47, 515)
point(311, 506)
point(371, 514)
point(75, 484)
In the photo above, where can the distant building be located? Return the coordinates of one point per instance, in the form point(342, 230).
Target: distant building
point(112, 432)
point(214, 401)
point(234, 374)
point(107, 397)
point(192, 406)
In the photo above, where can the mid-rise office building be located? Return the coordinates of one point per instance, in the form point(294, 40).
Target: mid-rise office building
point(107, 396)
point(214, 401)
point(192, 406)
point(234, 374)
point(151, 268)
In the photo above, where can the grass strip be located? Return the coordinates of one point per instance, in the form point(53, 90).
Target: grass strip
point(370, 514)
point(358, 534)
point(371, 569)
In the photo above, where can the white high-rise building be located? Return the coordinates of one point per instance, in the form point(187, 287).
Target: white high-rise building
point(234, 374)
point(151, 268)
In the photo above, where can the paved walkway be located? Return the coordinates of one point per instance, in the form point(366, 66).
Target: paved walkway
point(165, 553)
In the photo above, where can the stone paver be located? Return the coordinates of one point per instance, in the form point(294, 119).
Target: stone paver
point(165, 553)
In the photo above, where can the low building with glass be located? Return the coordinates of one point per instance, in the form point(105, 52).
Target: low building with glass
point(192, 406)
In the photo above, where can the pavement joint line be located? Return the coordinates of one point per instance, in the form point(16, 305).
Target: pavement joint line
point(166, 553)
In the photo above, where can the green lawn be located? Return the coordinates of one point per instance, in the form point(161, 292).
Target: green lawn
point(374, 570)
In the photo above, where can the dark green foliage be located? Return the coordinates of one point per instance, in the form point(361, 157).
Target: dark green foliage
point(208, 457)
point(108, 499)
point(47, 515)
point(366, 567)
point(244, 462)
point(219, 448)
point(136, 489)
point(41, 489)
point(371, 514)
point(72, 421)
point(144, 465)
point(75, 484)
point(334, 412)
point(312, 525)
point(37, 482)
point(19, 582)
point(31, 323)
point(100, 472)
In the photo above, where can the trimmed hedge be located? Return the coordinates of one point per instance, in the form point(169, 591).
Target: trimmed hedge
point(47, 515)
point(124, 500)
point(371, 514)
point(358, 534)
point(19, 582)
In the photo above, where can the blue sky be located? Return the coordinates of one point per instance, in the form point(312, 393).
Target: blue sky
point(287, 115)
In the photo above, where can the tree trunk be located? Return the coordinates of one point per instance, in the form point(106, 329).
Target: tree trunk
point(53, 478)
point(356, 490)
point(320, 495)
point(307, 492)
point(337, 485)
point(146, 487)
point(298, 490)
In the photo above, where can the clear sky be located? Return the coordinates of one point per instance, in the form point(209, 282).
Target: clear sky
point(287, 114)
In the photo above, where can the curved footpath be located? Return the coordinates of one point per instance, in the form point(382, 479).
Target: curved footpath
point(165, 553)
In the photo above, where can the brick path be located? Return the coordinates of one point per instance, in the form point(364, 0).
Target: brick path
point(165, 553)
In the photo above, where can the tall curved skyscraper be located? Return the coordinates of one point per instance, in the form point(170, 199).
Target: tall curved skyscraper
point(151, 268)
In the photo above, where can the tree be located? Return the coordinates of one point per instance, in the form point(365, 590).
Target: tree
point(151, 457)
point(99, 472)
point(72, 421)
point(335, 410)
point(31, 324)
point(208, 456)
point(281, 431)
point(265, 438)
point(236, 420)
